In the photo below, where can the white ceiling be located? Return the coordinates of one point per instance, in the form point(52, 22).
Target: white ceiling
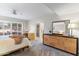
point(34, 10)
point(24, 10)
point(63, 8)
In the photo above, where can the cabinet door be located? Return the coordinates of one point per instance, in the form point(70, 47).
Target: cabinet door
point(46, 39)
point(61, 43)
point(14, 26)
point(70, 45)
point(19, 28)
point(54, 41)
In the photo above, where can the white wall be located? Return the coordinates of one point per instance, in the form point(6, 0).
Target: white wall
point(45, 20)
point(25, 23)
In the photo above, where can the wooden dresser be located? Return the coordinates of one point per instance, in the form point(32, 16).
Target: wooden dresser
point(64, 43)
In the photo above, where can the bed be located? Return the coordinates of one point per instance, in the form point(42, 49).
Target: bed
point(7, 45)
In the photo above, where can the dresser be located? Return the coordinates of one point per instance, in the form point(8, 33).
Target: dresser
point(61, 42)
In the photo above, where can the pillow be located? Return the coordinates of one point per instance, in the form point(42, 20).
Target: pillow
point(1, 33)
point(17, 39)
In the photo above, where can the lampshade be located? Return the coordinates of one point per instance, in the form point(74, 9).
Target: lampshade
point(73, 26)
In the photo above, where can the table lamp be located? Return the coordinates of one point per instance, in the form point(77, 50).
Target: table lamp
point(73, 26)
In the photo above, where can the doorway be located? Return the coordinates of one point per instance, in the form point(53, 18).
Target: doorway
point(39, 30)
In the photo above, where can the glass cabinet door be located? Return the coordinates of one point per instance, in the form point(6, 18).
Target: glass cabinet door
point(7, 28)
point(1, 28)
point(19, 27)
point(14, 27)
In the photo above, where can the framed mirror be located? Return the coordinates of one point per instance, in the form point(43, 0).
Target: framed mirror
point(60, 27)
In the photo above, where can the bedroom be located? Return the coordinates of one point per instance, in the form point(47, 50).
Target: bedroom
point(29, 21)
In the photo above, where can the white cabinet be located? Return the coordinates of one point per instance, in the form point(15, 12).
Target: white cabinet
point(17, 28)
point(7, 28)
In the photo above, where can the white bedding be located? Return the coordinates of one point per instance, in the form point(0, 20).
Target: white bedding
point(4, 37)
point(6, 46)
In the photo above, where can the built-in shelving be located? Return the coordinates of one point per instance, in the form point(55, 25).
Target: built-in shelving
point(9, 28)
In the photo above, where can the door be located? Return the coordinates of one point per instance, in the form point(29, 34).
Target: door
point(61, 43)
point(47, 40)
point(38, 30)
point(54, 41)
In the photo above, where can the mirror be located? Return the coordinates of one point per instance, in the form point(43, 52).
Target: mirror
point(60, 27)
